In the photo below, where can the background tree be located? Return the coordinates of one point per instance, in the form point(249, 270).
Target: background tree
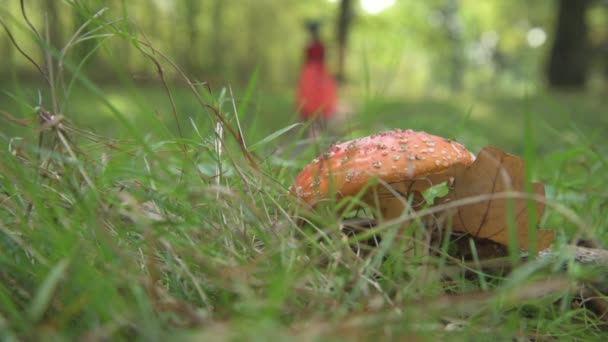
point(6, 63)
point(343, 28)
point(217, 41)
point(454, 30)
point(568, 61)
point(191, 53)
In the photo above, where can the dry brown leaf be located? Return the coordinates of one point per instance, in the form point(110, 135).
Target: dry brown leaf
point(494, 172)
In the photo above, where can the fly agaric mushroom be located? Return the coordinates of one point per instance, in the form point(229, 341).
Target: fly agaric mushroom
point(393, 157)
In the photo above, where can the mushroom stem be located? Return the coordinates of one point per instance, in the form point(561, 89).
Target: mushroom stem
point(392, 208)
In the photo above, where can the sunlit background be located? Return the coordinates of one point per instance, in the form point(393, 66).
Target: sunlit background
point(400, 57)
point(395, 46)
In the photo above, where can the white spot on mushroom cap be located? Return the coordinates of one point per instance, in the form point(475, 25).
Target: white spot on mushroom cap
point(328, 155)
point(350, 174)
point(410, 170)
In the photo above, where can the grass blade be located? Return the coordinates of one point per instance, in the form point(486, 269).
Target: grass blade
point(45, 292)
point(273, 136)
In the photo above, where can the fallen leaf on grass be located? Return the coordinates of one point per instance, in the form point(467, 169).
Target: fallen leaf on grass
point(492, 173)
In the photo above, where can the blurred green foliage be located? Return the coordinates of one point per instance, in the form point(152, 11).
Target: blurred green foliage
point(412, 47)
point(403, 65)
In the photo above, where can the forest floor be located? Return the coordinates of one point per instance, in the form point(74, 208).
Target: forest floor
point(127, 221)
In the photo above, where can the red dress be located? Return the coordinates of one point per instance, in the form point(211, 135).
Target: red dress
point(317, 90)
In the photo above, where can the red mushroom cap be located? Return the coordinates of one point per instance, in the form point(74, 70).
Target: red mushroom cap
point(391, 156)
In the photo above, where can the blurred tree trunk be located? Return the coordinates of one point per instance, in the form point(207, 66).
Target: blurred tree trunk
point(192, 57)
point(344, 21)
point(6, 62)
point(568, 63)
point(604, 58)
point(217, 48)
point(256, 16)
point(125, 45)
point(453, 26)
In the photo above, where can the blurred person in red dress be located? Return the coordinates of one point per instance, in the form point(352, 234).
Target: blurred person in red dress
point(317, 90)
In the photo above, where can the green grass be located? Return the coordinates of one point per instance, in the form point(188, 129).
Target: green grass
point(220, 255)
point(117, 226)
